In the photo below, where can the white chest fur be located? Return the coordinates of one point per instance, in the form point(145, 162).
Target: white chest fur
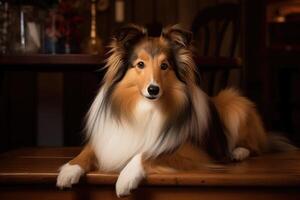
point(115, 143)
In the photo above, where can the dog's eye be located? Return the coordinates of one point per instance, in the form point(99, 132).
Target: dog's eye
point(141, 65)
point(164, 66)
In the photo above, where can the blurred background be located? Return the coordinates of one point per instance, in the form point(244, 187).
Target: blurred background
point(52, 52)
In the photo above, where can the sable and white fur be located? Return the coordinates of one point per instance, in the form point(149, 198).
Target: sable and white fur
point(135, 133)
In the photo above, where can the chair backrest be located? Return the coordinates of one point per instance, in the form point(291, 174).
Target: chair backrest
point(216, 32)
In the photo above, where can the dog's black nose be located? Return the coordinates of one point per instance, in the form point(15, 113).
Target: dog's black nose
point(153, 90)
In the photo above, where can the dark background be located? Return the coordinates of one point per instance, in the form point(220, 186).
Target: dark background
point(46, 108)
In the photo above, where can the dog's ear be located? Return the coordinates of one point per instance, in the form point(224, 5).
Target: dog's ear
point(178, 36)
point(130, 34)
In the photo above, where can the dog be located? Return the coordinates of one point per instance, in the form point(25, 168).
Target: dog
point(151, 116)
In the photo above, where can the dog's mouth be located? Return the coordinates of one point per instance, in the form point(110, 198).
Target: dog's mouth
point(152, 97)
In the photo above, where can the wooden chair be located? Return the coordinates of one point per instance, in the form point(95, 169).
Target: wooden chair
point(216, 32)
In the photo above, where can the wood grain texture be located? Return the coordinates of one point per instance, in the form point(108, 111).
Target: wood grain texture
point(79, 92)
point(31, 174)
point(148, 193)
point(18, 109)
point(39, 165)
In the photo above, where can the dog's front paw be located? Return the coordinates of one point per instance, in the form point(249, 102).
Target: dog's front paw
point(127, 183)
point(130, 177)
point(240, 153)
point(68, 175)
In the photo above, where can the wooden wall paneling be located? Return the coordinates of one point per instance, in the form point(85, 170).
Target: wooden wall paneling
point(103, 23)
point(296, 103)
point(129, 11)
point(4, 108)
point(167, 12)
point(257, 73)
point(50, 109)
point(22, 109)
point(187, 10)
point(143, 12)
point(113, 24)
point(1, 81)
point(79, 90)
point(73, 108)
point(243, 43)
point(227, 1)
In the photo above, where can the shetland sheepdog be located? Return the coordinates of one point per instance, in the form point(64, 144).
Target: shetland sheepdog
point(151, 116)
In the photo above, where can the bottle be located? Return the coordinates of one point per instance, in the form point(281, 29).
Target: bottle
point(93, 45)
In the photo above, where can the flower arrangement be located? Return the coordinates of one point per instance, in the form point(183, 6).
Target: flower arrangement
point(62, 27)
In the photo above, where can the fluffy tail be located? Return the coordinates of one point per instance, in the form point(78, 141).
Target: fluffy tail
point(278, 143)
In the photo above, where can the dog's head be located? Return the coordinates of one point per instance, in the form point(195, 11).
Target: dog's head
point(150, 63)
point(158, 69)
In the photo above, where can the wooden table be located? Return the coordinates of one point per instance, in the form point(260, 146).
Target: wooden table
point(31, 174)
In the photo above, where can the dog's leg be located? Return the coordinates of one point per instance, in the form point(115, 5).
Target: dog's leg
point(240, 153)
point(130, 176)
point(138, 168)
point(71, 172)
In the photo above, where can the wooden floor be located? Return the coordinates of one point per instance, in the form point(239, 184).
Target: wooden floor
point(31, 173)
